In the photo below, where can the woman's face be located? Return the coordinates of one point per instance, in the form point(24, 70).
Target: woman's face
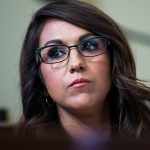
point(78, 83)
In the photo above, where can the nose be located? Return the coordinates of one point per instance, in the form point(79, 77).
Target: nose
point(76, 61)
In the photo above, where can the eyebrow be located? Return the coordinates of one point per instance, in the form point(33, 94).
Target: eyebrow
point(82, 37)
point(58, 41)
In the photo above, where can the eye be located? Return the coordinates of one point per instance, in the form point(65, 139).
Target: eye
point(90, 45)
point(56, 52)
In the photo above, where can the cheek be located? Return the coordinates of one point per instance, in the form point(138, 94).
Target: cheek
point(102, 71)
point(51, 78)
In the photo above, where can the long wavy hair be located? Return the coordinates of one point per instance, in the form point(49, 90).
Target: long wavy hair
point(129, 113)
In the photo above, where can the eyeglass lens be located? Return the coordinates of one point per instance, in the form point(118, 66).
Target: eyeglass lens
point(57, 53)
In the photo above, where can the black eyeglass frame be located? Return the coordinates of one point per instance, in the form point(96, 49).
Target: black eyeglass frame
point(38, 50)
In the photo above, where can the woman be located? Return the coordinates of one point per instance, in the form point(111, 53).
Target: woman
point(78, 74)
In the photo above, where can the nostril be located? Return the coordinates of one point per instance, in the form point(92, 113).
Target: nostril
point(81, 68)
point(77, 69)
point(72, 70)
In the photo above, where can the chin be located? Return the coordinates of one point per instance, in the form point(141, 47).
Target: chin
point(81, 104)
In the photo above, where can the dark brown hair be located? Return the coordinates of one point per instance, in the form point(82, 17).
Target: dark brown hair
point(130, 115)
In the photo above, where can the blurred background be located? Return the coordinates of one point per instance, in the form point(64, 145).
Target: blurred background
point(15, 15)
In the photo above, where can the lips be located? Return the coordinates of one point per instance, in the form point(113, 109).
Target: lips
point(80, 82)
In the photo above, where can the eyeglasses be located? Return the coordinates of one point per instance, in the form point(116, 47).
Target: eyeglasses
point(51, 54)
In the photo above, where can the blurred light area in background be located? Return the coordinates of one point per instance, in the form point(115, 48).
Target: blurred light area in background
point(133, 17)
point(15, 16)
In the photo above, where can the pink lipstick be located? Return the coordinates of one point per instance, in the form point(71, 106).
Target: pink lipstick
point(79, 83)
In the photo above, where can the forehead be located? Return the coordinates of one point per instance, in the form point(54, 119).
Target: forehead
point(58, 29)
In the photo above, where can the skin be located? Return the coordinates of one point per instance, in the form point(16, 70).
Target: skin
point(82, 107)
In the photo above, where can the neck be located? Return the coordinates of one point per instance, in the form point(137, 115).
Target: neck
point(82, 124)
